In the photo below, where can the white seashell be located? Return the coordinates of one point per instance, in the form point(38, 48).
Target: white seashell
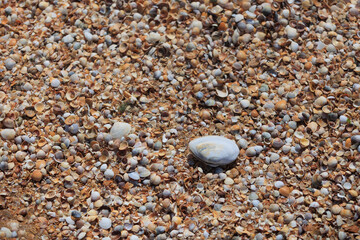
point(8, 134)
point(120, 130)
point(214, 150)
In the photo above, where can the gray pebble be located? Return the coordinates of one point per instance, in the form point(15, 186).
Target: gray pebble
point(9, 64)
point(95, 196)
point(68, 39)
point(74, 128)
point(242, 143)
point(76, 214)
point(134, 175)
point(279, 184)
point(27, 86)
point(160, 229)
point(343, 119)
point(105, 223)
point(4, 166)
point(277, 143)
point(250, 152)
point(190, 47)
point(157, 74)
point(109, 174)
point(217, 72)
point(55, 83)
point(259, 236)
point(210, 103)
point(274, 157)
point(217, 207)
point(264, 88)
point(274, 208)
point(355, 139)
point(157, 145)
point(8, 10)
point(245, 103)
point(292, 124)
point(199, 95)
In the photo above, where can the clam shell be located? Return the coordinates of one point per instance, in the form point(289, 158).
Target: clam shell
point(214, 150)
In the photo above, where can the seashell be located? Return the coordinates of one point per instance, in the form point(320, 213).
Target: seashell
point(299, 135)
point(313, 126)
point(304, 142)
point(119, 130)
point(356, 103)
point(71, 119)
point(123, 146)
point(8, 134)
point(39, 107)
point(123, 47)
point(308, 158)
point(214, 150)
point(222, 92)
point(70, 95)
point(30, 112)
point(2, 96)
point(107, 95)
point(50, 195)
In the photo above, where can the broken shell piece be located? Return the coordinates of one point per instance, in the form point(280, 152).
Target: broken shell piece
point(214, 150)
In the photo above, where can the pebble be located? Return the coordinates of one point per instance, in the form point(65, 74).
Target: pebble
point(278, 184)
point(291, 32)
point(274, 207)
point(157, 145)
point(343, 119)
point(355, 139)
point(274, 157)
point(8, 134)
point(266, 9)
point(332, 162)
point(105, 223)
point(229, 181)
point(243, 143)
point(43, 5)
point(245, 103)
point(55, 83)
point(74, 128)
point(155, 179)
point(36, 175)
point(68, 39)
point(95, 196)
point(196, 24)
point(27, 86)
point(336, 209)
point(153, 37)
point(214, 150)
point(143, 172)
point(277, 143)
point(6, 231)
point(281, 105)
point(109, 174)
point(10, 64)
point(120, 130)
point(251, 152)
point(320, 101)
point(134, 176)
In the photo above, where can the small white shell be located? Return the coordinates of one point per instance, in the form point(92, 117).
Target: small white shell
point(214, 150)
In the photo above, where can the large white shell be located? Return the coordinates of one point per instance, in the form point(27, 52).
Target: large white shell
point(214, 150)
point(119, 130)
